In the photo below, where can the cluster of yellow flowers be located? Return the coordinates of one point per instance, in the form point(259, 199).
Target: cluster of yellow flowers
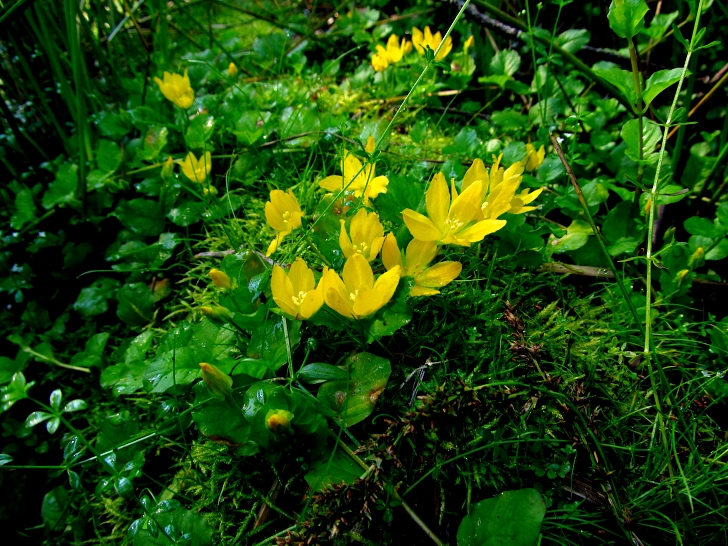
point(177, 89)
point(396, 48)
point(452, 218)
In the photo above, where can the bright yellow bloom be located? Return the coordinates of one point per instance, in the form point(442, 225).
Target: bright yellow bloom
point(534, 158)
point(197, 169)
point(283, 214)
point(279, 420)
point(232, 70)
point(367, 235)
point(414, 264)
point(393, 53)
point(498, 188)
point(177, 89)
point(219, 383)
point(358, 295)
point(453, 219)
point(420, 41)
point(220, 279)
point(296, 293)
point(360, 181)
point(470, 42)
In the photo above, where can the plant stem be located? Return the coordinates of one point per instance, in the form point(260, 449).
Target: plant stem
point(636, 76)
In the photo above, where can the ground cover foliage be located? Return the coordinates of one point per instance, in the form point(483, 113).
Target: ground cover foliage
point(376, 272)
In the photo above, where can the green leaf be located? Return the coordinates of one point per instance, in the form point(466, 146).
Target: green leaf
point(513, 518)
point(8, 368)
point(219, 420)
point(623, 80)
point(319, 372)
point(251, 126)
point(354, 399)
point(186, 213)
point(550, 169)
point(573, 40)
point(62, 190)
point(299, 121)
point(719, 252)
point(393, 316)
point(506, 62)
point(141, 216)
point(125, 378)
point(621, 228)
point(177, 527)
point(627, 18)
point(651, 136)
point(577, 235)
point(54, 508)
point(24, 209)
point(16, 390)
point(659, 81)
point(93, 300)
point(155, 139)
point(269, 341)
point(722, 214)
point(108, 156)
point(702, 226)
point(136, 304)
point(199, 132)
point(418, 132)
point(333, 470)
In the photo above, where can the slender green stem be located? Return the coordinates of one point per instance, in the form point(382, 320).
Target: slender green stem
point(637, 79)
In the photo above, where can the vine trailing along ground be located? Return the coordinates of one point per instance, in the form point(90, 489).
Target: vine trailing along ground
point(379, 272)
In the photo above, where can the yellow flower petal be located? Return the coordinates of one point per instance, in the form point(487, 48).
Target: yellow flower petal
point(437, 201)
point(421, 227)
point(422, 291)
point(357, 272)
point(419, 254)
point(282, 289)
point(478, 231)
point(333, 183)
point(439, 274)
point(391, 255)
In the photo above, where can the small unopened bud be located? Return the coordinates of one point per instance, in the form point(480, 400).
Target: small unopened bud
point(232, 69)
point(697, 259)
point(468, 44)
point(681, 276)
point(219, 383)
point(220, 279)
point(168, 168)
point(216, 312)
point(212, 190)
point(278, 420)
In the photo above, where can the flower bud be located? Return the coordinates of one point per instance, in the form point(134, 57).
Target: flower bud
point(212, 190)
point(697, 259)
point(278, 420)
point(219, 383)
point(232, 70)
point(681, 276)
point(168, 168)
point(217, 312)
point(220, 279)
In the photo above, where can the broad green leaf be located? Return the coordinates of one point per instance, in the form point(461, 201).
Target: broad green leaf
point(550, 170)
point(136, 304)
point(108, 156)
point(62, 190)
point(141, 216)
point(54, 508)
point(577, 234)
point(125, 378)
point(659, 81)
point(671, 193)
point(621, 79)
point(219, 421)
point(622, 228)
point(155, 139)
point(333, 470)
point(573, 39)
point(354, 399)
point(92, 300)
point(719, 252)
point(513, 518)
point(418, 131)
point(269, 341)
point(651, 136)
point(514, 151)
point(506, 62)
point(702, 226)
point(24, 209)
point(16, 390)
point(177, 527)
point(251, 126)
point(465, 143)
point(8, 368)
point(319, 372)
point(722, 214)
point(199, 132)
point(299, 121)
point(627, 18)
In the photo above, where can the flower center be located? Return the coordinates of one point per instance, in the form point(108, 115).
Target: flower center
point(298, 300)
point(353, 295)
point(453, 224)
point(361, 248)
point(286, 216)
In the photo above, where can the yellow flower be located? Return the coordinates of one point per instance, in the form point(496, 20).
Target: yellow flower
point(358, 295)
point(279, 420)
point(296, 292)
point(380, 61)
point(367, 235)
point(420, 41)
point(177, 89)
point(220, 279)
point(232, 70)
point(453, 218)
point(498, 188)
point(219, 383)
point(197, 169)
point(360, 181)
point(393, 53)
point(283, 214)
point(470, 42)
point(534, 158)
point(414, 264)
